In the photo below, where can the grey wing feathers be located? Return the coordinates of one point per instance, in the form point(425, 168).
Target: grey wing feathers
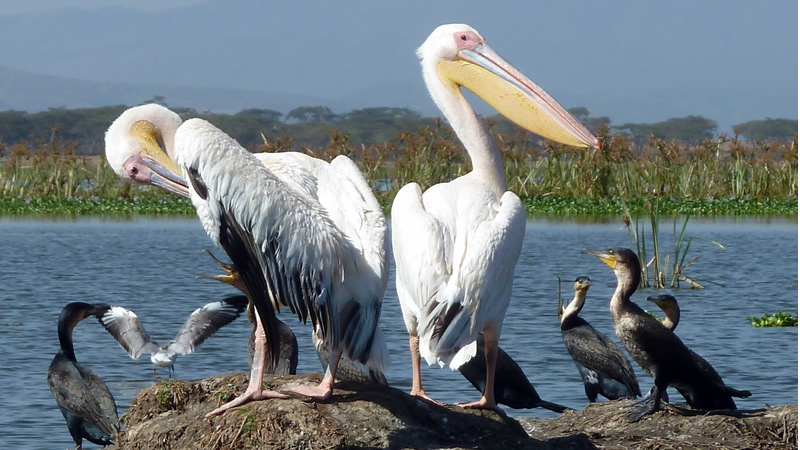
point(125, 327)
point(597, 352)
point(78, 390)
point(206, 321)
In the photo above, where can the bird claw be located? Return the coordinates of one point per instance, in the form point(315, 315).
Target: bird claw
point(315, 393)
point(423, 396)
point(245, 398)
point(480, 404)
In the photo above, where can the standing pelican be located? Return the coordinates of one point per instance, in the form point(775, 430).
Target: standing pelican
point(140, 147)
point(456, 245)
point(125, 327)
point(604, 368)
point(83, 397)
point(289, 250)
point(659, 352)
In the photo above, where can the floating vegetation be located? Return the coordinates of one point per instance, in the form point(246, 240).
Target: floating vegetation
point(779, 319)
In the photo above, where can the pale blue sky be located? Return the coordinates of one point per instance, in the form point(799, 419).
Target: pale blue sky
point(633, 61)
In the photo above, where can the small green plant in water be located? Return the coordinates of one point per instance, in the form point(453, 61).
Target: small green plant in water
point(779, 319)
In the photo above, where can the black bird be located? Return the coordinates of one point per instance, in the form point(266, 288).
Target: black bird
point(83, 397)
point(511, 386)
point(695, 398)
point(659, 352)
point(124, 325)
point(602, 364)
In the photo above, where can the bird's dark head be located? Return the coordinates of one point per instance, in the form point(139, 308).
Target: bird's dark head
point(76, 311)
point(582, 284)
point(616, 258)
point(664, 301)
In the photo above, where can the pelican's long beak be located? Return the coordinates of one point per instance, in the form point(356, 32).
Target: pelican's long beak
point(513, 95)
point(164, 173)
point(604, 255)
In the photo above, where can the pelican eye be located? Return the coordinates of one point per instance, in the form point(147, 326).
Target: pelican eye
point(463, 37)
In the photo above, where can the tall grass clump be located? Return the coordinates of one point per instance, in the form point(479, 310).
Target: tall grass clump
point(670, 272)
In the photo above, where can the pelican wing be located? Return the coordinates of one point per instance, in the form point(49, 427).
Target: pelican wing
point(423, 248)
point(284, 246)
point(204, 322)
point(463, 258)
point(125, 327)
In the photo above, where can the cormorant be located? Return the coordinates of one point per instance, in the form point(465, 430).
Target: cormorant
point(604, 368)
point(659, 352)
point(83, 397)
point(124, 325)
point(699, 400)
point(511, 386)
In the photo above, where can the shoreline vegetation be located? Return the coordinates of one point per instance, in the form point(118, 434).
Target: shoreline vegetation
point(717, 177)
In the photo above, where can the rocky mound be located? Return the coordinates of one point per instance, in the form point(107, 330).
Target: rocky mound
point(170, 415)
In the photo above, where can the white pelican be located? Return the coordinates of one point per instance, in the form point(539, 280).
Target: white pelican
point(287, 248)
point(125, 327)
point(336, 191)
point(456, 245)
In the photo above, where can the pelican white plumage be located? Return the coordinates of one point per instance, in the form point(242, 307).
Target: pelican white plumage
point(125, 327)
point(140, 147)
point(288, 249)
point(456, 245)
point(336, 192)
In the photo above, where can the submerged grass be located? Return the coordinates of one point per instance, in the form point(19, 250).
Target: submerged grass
point(718, 177)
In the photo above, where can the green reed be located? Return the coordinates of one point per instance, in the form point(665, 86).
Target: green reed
point(719, 176)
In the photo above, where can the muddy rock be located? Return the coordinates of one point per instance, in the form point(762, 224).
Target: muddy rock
point(171, 414)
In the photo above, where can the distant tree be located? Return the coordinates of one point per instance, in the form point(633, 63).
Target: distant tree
point(593, 124)
point(311, 114)
point(157, 99)
point(689, 129)
point(767, 129)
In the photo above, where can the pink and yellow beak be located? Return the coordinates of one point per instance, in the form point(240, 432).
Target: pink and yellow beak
point(490, 77)
point(164, 172)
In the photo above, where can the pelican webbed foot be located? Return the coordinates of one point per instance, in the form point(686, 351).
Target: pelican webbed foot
point(483, 403)
point(250, 395)
point(422, 395)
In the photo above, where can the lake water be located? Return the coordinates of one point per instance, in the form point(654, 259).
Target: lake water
point(150, 265)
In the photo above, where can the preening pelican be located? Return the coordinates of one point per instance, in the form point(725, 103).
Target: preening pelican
point(658, 350)
point(456, 245)
point(337, 189)
point(83, 397)
point(140, 147)
point(125, 327)
point(289, 249)
point(604, 368)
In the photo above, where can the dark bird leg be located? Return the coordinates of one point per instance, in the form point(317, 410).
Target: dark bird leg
point(487, 401)
point(650, 404)
point(255, 390)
